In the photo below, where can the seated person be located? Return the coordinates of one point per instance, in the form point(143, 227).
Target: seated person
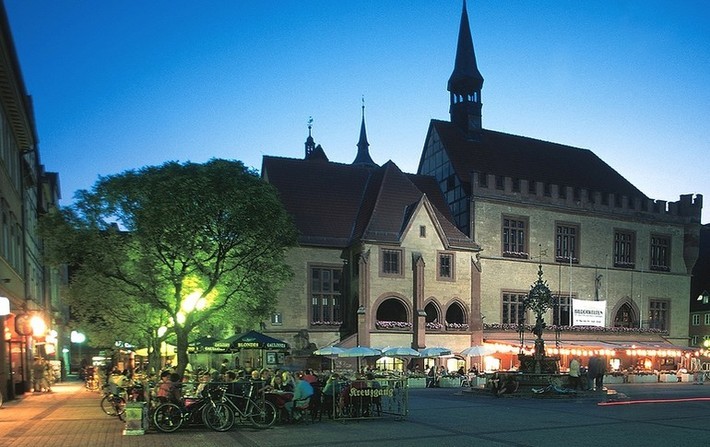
point(169, 388)
point(302, 394)
point(331, 393)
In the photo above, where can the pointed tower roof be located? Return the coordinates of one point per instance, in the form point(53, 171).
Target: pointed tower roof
point(465, 77)
point(313, 152)
point(363, 151)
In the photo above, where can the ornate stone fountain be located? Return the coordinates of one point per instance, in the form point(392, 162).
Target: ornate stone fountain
point(539, 300)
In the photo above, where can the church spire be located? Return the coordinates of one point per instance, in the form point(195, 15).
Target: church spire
point(310, 143)
point(465, 83)
point(313, 152)
point(363, 151)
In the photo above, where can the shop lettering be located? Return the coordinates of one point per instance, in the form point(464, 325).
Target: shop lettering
point(371, 392)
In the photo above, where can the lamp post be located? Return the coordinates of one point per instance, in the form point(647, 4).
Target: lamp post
point(77, 338)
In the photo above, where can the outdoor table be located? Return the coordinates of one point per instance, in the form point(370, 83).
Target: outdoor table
point(278, 398)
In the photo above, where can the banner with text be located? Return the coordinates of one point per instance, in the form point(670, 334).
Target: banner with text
point(588, 313)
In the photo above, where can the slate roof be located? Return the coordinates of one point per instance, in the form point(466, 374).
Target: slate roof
point(336, 204)
point(527, 158)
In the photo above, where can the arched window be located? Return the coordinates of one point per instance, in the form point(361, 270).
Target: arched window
point(392, 314)
point(456, 317)
point(433, 317)
point(625, 317)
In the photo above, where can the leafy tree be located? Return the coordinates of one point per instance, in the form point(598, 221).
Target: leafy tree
point(192, 242)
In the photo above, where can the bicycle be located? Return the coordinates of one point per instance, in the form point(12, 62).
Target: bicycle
point(261, 413)
point(114, 403)
point(170, 416)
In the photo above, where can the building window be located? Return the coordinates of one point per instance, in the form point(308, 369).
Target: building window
point(707, 319)
point(567, 243)
point(391, 262)
point(660, 253)
point(658, 315)
point(445, 270)
point(513, 308)
point(326, 304)
point(694, 340)
point(422, 231)
point(696, 319)
point(276, 319)
point(515, 238)
point(562, 311)
point(624, 249)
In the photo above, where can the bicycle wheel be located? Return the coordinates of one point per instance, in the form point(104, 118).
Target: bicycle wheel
point(167, 417)
point(218, 417)
point(113, 405)
point(262, 414)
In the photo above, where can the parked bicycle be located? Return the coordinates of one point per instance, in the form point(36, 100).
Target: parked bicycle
point(247, 406)
point(114, 401)
point(207, 410)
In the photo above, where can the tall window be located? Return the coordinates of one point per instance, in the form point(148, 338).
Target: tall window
point(391, 262)
point(707, 319)
point(658, 315)
point(326, 305)
point(562, 311)
point(445, 270)
point(660, 253)
point(567, 243)
point(515, 238)
point(696, 319)
point(513, 308)
point(624, 249)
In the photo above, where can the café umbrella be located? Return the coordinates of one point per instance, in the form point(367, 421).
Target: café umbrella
point(360, 351)
point(436, 351)
point(401, 351)
point(331, 352)
point(477, 351)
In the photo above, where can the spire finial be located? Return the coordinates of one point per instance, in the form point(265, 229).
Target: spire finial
point(310, 125)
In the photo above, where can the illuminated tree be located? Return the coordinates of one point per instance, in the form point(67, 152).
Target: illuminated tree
point(192, 241)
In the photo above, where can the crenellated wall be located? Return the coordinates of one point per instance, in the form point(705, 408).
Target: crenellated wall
point(686, 210)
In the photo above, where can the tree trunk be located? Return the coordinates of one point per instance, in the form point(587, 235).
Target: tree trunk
point(181, 335)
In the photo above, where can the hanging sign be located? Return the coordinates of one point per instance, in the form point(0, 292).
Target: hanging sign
point(588, 313)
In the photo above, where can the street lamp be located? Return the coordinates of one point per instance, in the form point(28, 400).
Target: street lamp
point(704, 297)
point(78, 338)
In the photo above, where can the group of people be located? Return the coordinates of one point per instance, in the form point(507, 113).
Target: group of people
point(434, 375)
point(595, 370)
point(42, 375)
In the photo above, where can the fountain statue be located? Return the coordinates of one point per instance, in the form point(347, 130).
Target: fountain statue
point(539, 300)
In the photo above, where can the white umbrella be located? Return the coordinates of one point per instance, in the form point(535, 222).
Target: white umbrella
point(360, 351)
point(329, 351)
point(435, 352)
point(401, 351)
point(478, 351)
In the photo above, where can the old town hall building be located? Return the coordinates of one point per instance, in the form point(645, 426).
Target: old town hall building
point(446, 256)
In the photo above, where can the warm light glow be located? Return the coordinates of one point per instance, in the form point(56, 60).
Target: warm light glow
point(77, 337)
point(162, 330)
point(193, 301)
point(4, 306)
point(181, 318)
point(39, 327)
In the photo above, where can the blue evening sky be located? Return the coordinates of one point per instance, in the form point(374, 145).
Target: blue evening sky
point(119, 84)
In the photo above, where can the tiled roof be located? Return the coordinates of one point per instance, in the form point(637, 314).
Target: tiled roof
point(527, 158)
point(335, 204)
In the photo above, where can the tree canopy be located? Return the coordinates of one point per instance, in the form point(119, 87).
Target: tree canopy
point(178, 243)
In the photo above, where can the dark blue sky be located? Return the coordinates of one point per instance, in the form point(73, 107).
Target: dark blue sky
point(121, 84)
